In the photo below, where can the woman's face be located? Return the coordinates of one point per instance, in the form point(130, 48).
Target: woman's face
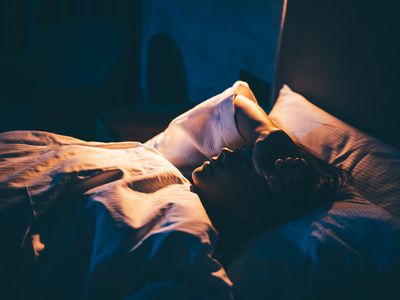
point(227, 181)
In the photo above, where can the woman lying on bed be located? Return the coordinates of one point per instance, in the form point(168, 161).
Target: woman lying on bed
point(268, 181)
point(251, 177)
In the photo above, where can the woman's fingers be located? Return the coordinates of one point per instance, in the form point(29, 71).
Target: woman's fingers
point(301, 164)
point(296, 173)
point(293, 169)
point(274, 183)
point(283, 169)
point(287, 172)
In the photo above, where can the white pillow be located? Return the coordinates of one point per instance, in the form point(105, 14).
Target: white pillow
point(349, 249)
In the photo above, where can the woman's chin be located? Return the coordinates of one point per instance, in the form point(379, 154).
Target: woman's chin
point(196, 175)
point(200, 178)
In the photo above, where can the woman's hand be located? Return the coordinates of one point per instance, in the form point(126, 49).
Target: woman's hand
point(275, 155)
point(276, 158)
point(287, 172)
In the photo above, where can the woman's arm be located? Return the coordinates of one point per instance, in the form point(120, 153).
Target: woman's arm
point(251, 120)
point(230, 119)
point(275, 155)
point(203, 131)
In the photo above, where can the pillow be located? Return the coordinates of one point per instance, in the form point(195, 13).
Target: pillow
point(347, 249)
point(374, 165)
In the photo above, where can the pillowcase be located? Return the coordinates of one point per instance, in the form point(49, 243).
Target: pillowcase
point(374, 165)
point(347, 249)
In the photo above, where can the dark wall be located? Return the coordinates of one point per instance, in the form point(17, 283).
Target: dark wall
point(344, 56)
point(63, 60)
point(210, 44)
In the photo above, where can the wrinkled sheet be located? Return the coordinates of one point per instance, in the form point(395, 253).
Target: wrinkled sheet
point(138, 232)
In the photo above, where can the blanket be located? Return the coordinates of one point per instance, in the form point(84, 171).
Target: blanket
point(124, 222)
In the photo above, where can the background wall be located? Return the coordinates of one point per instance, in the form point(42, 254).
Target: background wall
point(63, 62)
point(209, 44)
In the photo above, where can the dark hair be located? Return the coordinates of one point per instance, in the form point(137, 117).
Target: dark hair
point(326, 180)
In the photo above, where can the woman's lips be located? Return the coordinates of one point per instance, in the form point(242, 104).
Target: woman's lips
point(214, 163)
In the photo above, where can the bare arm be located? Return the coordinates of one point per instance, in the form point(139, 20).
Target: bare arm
point(251, 120)
point(275, 155)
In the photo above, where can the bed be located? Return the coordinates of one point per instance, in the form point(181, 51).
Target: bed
point(347, 250)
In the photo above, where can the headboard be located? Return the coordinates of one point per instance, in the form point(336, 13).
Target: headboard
point(342, 56)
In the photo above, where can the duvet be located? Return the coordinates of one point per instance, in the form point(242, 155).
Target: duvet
point(133, 230)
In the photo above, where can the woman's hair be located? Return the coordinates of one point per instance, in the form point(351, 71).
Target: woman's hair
point(327, 181)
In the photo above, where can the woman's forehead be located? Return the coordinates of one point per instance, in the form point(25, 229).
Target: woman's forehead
point(246, 154)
